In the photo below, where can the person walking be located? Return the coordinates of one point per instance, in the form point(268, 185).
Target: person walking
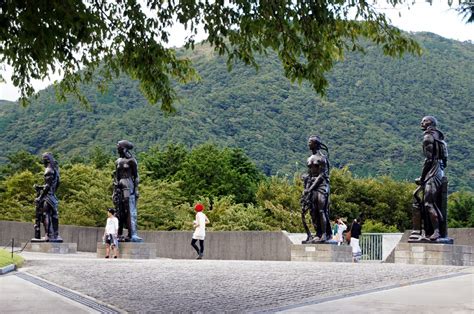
point(199, 230)
point(356, 231)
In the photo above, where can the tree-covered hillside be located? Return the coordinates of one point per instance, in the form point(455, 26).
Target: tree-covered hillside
point(369, 119)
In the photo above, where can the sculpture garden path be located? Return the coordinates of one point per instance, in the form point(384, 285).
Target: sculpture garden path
point(166, 285)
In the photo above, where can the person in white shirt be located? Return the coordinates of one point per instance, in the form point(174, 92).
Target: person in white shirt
point(341, 227)
point(199, 230)
point(111, 233)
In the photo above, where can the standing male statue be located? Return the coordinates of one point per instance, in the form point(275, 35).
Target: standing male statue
point(125, 193)
point(430, 198)
point(315, 196)
point(47, 202)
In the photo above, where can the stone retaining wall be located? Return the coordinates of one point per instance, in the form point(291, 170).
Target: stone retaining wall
point(85, 237)
point(224, 245)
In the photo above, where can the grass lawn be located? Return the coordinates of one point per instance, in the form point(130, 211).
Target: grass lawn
point(6, 258)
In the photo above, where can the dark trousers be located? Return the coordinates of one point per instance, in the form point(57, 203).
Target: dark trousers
point(201, 244)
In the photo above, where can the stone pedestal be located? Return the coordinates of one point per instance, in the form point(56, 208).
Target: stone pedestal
point(51, 247)
point(321, 253)
point(434, 254)
point(130, 250)
point(422, 239)
point(313, 241)
point(58, 240)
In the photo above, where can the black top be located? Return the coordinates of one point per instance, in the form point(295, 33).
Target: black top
point(356, 230)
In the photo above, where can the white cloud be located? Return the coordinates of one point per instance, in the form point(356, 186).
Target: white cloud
point(438, 18)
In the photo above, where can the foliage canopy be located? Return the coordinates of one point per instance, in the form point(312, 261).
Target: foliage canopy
point(131, 36)
point(369, 119)
point(383, 203)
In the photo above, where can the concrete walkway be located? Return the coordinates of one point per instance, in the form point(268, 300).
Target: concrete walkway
point(20, 296)
point(238, 286)
point(451, 295)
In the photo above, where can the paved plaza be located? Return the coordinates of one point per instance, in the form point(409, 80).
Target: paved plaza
point(166, 285)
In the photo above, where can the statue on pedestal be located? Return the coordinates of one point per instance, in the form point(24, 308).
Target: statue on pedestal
point(125, 193)
point(430, 198)
point(315, 198)
point(47, 202)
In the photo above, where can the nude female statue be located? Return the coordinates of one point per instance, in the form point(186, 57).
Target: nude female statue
point(316, 192)
point(125, 193)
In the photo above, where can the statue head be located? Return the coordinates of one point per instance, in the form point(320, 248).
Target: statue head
point(124, 147)
point(314, 142)
point(428, 121)
point(48, 159)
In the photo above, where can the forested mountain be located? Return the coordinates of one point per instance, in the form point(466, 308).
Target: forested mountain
point(369, 119)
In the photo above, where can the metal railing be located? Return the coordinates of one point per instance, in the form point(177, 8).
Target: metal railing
point(12, 242)
point(371, 245)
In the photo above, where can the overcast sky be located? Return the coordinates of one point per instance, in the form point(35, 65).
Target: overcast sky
point(438, 18)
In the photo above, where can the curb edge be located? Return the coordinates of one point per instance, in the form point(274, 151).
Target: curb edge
point(7, 269)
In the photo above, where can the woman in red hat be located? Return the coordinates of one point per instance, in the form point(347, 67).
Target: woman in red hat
point(199, 230)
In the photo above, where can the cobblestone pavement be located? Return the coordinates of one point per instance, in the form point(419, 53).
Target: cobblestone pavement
point(165, 285)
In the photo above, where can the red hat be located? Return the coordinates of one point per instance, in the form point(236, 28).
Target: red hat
point(199, 207)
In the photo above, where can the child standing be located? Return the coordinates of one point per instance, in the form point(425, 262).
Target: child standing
point(111, 233)
point(341, 227)
point(199, 230)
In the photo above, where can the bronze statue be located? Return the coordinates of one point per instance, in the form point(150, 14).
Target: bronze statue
point(47, 202)
point(315, 196)
point(125, 193)
point(430, 198)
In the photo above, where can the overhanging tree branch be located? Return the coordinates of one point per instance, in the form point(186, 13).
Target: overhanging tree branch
point(80, 37)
